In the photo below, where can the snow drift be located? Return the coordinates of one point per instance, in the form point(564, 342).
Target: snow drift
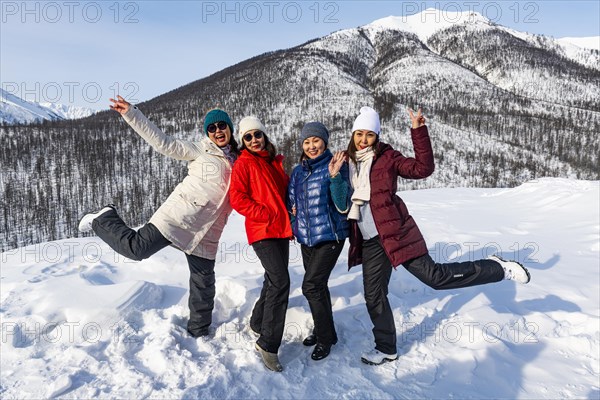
point(79, 321)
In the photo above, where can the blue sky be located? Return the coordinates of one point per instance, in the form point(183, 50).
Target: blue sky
point(83, 52)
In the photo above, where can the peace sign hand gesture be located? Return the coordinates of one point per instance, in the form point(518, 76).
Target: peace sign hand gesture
point(336, 163)
point(120, 105)
point(417, 120)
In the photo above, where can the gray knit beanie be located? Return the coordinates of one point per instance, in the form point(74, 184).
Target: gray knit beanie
point(314, 129)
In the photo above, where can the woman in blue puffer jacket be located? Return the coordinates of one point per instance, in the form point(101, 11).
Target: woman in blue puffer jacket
point(318, 193)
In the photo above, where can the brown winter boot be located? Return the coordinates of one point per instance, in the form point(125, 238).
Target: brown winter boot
point(270, 360)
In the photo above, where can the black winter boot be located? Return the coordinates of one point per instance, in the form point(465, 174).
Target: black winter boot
point(321, 351)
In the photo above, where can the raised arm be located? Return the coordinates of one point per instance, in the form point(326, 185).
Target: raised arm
point(339, 182)
point(422, 165)
point(164, 144)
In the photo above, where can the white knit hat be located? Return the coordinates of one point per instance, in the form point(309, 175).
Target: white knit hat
point(368, 120)
point(249, 124)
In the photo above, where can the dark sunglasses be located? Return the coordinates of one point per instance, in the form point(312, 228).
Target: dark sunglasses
point(257, 135)
point(212, 128)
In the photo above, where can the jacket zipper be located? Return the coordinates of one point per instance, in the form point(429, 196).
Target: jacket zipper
point(337, 239)
point(305, 185)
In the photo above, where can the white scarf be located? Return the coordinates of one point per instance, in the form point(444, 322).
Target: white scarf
point(359, 175)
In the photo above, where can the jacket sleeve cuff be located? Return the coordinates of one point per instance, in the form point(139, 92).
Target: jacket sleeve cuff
point(339, 193)
point(419, 130)
point(128, 116)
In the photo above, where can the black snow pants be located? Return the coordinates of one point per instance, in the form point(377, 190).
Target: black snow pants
point(141, 244)
point(377, 270)
point(268, 315)
point(318, 262)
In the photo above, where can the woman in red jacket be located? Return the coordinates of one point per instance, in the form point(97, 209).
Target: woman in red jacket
point(258, 190)
point(384, 235)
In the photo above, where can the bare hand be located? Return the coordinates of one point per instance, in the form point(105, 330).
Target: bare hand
point(336, 163)
point(294, 211)
point(120, 105)
point(417, 120)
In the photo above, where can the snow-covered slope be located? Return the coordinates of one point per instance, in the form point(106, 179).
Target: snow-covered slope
point(584, 50)
point(426, 23)
point(532, 66)
point(14, 110)
point(68, 112)
point(590, 42)
point(430, 21)
point(79, 321)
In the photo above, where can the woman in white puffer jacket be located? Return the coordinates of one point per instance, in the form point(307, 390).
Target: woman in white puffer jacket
point(193, 216)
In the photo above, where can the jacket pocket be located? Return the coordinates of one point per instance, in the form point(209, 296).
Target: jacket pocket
point(266, 215)
point(192, 208)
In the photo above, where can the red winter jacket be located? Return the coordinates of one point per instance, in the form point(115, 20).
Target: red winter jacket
point(398, 231)
point(257, 191)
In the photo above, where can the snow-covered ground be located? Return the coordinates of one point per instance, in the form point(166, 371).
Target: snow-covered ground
point(79, 321)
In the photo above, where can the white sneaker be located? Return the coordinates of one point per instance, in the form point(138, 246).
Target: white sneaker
point(375, 357)
point(513, 271)
point(85, 225)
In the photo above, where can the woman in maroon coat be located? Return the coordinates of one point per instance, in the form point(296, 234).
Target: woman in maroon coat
point(384, 235)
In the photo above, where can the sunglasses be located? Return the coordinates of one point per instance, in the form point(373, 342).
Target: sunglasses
point(248, 136)
point(212, 128)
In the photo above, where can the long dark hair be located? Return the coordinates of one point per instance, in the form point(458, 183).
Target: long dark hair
point(352, 148)
point(235, 147)
point(269, 147)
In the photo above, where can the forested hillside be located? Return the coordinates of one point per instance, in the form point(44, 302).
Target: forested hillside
point(501, 109)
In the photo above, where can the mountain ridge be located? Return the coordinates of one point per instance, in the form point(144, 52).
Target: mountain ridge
point(15, 110)
point(500, 111)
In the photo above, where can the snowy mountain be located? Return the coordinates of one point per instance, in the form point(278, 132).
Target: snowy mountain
point(584, 50)
point(14, 110)
point(79, 321)
point(68, 112)
point(426, 23)
point(530, 65)
point(503, 107)
point(591, 42)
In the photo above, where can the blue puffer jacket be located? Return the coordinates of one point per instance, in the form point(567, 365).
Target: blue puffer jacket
point(317, 218)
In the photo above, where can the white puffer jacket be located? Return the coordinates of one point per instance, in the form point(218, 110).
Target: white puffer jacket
point(194, 215)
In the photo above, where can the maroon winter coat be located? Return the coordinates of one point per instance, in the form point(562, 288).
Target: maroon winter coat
point(398, 231)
